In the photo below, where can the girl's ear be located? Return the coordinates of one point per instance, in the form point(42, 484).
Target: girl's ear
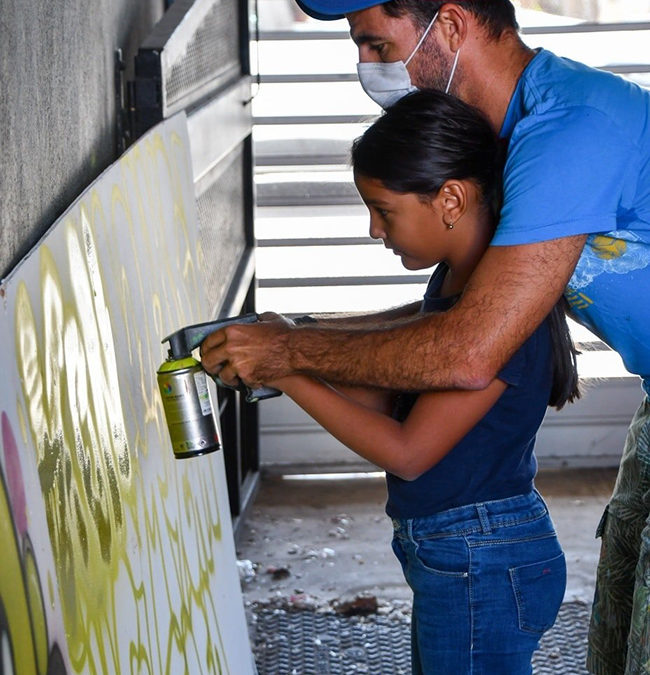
point(453, 201)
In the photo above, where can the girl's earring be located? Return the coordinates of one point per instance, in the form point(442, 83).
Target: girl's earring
point(450, 226)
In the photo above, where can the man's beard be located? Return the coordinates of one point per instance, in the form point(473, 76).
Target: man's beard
point(433, 68)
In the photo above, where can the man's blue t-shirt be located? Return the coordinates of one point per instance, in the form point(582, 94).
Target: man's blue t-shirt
point(495, 460)
point(579, 163)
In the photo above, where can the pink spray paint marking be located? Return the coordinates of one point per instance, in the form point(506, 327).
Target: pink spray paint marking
point(14, 476)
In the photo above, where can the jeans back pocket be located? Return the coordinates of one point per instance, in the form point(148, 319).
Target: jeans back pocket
point(539, 591)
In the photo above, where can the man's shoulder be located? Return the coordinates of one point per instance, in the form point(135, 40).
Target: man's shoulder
point(565, 106)
point(553, 85)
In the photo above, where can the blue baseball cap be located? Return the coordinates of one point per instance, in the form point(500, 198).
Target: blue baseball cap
point(328, 10)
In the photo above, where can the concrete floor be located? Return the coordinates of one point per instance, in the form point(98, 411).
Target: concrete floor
point(313, 543)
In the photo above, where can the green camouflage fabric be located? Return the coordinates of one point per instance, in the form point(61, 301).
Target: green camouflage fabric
point(619, 632)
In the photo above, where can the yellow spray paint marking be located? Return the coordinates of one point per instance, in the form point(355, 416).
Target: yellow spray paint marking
point(577, 300)
point(70, 383)
point(111, 527)
point(36, 608)
point(13, 593)
point(608, 248)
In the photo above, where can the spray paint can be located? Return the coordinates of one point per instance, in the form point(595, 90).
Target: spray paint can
point(186, 401)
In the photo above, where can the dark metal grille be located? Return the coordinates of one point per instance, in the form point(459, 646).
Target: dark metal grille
point(221, 216)
point(212, 51)
point(312, 643)
point(309, 643)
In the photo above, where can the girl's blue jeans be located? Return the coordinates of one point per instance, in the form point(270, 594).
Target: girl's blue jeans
point(488, 579)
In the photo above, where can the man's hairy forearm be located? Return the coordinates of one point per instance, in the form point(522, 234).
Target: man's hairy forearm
point(390, 358)
point(510, 293)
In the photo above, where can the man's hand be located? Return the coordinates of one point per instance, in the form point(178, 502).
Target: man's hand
point(254, 353)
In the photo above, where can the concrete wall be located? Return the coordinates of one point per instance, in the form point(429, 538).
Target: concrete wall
point(57, 107)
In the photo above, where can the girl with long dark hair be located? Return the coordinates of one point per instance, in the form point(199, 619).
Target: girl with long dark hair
point(474, 537)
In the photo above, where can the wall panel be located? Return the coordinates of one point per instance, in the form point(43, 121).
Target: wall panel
point(116, 557)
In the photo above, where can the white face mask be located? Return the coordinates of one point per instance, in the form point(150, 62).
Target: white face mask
point(386, 83)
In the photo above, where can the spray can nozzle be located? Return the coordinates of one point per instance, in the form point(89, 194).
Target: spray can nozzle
point(185, 340)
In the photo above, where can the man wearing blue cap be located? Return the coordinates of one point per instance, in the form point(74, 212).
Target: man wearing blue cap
point(575, 220)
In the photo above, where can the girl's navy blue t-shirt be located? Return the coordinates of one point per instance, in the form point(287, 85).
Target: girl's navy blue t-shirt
point(495, 460)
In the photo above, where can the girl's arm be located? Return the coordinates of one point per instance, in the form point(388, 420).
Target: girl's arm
point(369, 319)
point(380, 400)
point(437, 422)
